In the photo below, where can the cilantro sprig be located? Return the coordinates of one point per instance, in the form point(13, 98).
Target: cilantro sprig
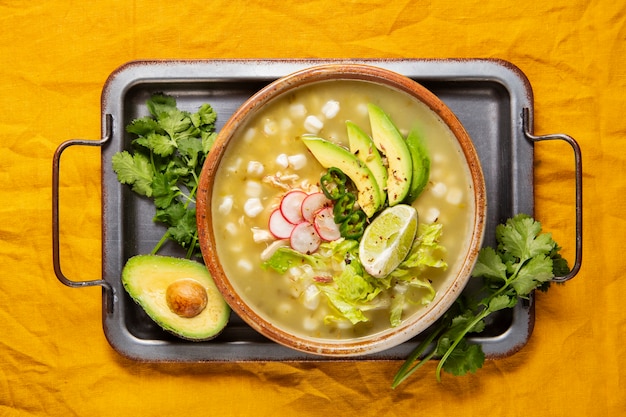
point(525, 259)
point(165, 162)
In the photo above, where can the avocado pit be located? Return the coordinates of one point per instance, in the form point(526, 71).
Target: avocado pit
point(186, 297)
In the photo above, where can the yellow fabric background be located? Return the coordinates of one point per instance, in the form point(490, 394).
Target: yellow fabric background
point(55, 58)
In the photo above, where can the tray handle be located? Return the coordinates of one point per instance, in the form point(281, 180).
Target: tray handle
point(579, 188)
point(56, 258)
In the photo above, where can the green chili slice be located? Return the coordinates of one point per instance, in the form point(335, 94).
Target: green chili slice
point(354, 226)
point(344, 206)
point(333, 183)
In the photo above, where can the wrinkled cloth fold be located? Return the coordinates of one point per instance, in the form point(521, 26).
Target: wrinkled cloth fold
point(56, 57)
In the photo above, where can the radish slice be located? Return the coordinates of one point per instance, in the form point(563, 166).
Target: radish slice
point(291, 206)
point(280, 227)
point(325, 225)
point(304, 238)
point(312, 204)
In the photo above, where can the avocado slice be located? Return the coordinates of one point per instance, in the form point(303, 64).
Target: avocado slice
point(421, 164)
point(390, 142)
point(364, 148)
point(329, 154)
point(178, 294)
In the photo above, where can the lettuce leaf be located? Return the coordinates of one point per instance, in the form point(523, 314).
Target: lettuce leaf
point(426, 252)
point(396, 309)
point(285, 258)
point(348, 310)
point(353, 291)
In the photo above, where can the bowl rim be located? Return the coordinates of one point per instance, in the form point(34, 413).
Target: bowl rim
point(411, 326)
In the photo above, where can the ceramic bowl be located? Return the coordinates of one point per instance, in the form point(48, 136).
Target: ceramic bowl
point(210, 221)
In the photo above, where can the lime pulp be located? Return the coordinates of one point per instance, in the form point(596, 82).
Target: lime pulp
point(388, 240)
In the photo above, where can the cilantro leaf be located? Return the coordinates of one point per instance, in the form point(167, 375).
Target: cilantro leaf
point(204, 118)
point(461, 321)
point(520, 237)
point(174, 122)
point(490, 265)
point(134, 170)
point(465, 357)
point(161, 145)
point(171, 214)
point(207, 141)
point(143, 126)
point(500, 302)
point(535, 272)
point(525, 260)
point(166, 158)
point(184, 231)
point(164, 189)
point(191, 149)
point(160, 103)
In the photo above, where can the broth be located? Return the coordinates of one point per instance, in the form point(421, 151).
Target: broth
point(266, 157)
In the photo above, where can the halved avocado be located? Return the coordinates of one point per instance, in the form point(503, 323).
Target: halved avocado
point(178, 294)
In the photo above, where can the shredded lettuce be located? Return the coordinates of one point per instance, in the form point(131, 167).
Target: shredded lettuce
point(396, 309)
point(347, 310)
point(285, 258)
point(352, 294)
point(355, 287)
point(425, 252)
point(352, 291)
point(339, 250)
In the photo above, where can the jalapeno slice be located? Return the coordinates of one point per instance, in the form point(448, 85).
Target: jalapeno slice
point(354, 226)
point(333, 183)
point(344, 206)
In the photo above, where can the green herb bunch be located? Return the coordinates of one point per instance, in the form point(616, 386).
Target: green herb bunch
point(165, 162)
point(525, 259)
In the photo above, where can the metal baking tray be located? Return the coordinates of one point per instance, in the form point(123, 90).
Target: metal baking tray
point(492, 98)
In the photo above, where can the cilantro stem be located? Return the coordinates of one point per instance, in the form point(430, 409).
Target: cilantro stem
point(192, 194)
point(160, 243)
point(458, 339)
point(483, 314)
point(188, 198)
point(408, 367)
point(192, 246)
point(525, 260)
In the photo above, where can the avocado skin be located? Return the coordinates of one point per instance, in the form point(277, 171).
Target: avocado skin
point(421, 165)
point(146, 278)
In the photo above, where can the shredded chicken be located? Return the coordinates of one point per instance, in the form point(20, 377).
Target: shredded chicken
point(282, 181)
